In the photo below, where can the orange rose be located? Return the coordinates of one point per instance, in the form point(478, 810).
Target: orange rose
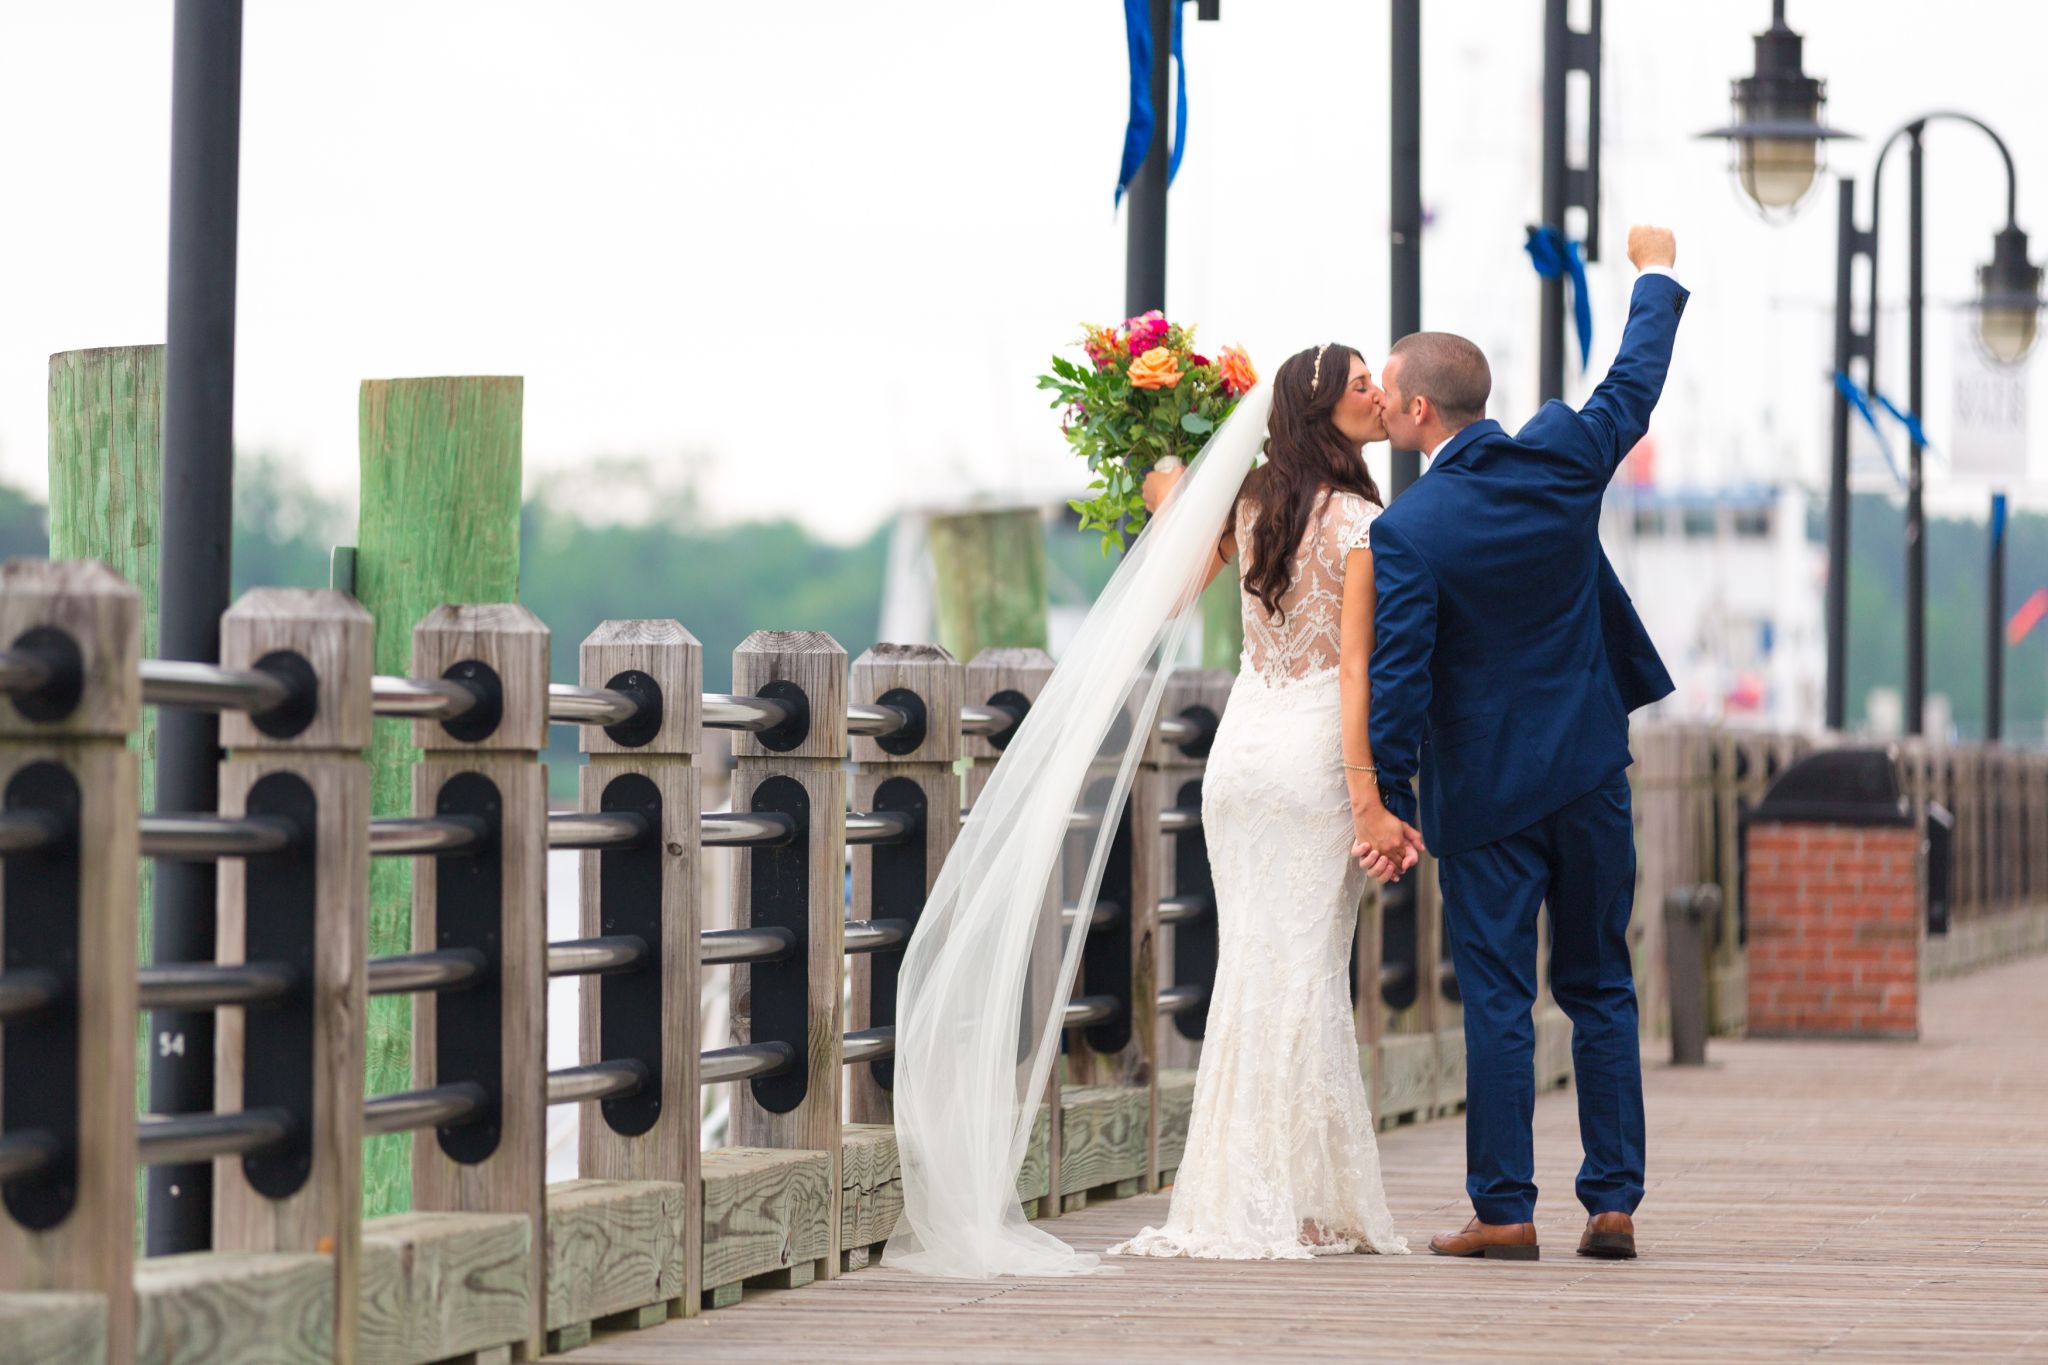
point(1235, 369)
point(1156, 369)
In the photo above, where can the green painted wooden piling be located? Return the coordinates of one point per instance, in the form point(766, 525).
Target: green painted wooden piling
point(106, 466)
point(439, 522)
point(989, 570)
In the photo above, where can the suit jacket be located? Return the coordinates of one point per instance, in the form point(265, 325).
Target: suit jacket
point(1507, 657)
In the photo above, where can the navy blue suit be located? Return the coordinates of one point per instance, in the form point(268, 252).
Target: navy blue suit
point(1507, 660)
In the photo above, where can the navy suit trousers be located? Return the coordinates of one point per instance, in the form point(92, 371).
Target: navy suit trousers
point(1580, 861)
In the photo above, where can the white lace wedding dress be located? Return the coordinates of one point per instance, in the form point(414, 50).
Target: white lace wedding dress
point(1281, 1162)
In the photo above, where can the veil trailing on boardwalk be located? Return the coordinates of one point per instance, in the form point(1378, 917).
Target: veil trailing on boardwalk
point(987, 977)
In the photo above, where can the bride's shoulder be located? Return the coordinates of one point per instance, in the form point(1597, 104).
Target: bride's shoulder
point(1351, 516)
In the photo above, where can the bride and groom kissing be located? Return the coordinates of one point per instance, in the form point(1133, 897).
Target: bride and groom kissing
point(1471, 634)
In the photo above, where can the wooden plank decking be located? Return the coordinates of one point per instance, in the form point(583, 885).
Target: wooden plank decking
point(1874, 1201)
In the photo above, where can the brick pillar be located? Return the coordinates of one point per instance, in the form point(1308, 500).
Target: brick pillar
point(1835, 914)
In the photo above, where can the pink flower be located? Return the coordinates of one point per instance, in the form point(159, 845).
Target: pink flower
point(1146, 331)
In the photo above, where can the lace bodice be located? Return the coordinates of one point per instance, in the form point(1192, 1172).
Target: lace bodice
point(1303, 642)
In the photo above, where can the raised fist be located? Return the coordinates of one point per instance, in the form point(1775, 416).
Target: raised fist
point(1648, 246)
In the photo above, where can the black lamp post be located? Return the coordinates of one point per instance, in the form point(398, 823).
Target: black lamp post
point(2007, 319)
point(1145, 234)
point(1565, 186)
point(1779, 139)
point(1404, 132)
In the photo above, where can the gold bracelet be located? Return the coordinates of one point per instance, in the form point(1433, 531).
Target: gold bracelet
point(1361, 768)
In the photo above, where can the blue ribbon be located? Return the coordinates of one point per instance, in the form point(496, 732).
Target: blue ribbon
point(1910, 421)
point(1552, 256)
point(1138, 129)
point(1853, 391)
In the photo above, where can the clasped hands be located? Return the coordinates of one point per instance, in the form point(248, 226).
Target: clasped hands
point(1387, 845)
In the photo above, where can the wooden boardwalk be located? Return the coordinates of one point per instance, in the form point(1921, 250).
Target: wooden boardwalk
point(1876, 1201)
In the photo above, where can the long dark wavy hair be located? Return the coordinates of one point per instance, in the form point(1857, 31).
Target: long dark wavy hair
point(1305, 453)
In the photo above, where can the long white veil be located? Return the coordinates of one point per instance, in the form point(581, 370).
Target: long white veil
point(974, 1044)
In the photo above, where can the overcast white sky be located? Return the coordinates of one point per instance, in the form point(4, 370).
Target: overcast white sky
point(812, 253)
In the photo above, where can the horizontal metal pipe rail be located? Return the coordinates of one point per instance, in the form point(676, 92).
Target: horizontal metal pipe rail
point(869, 1044)
point(205, 687)
point(1180, 730)
point(596, 956)
point(212, 985)
point(1180, 819)
point(745, 1062)
point(412, 836)
point(22, 672)
point(178, 1138)
point(875, 721)
point(1175, 999)
point(724, 711)
point(987, 721)
point(1105, 914)
point(420, 698)
point(26, 1153)
point(444, 969)
point(1182, 909)
point(25, 831)
point(199, 838)
point(598, 1081)
point(720, 946)
point(26, 990)
point(883, 827)
point(569, 705)
point(594, 829)
point(741, 829)
point(876, 935)
point(440, 1106)
point(1091, 1009)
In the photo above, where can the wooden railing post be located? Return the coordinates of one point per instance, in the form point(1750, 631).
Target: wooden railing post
point(308, 760)
point(1012, 678)
point(626, 1242)
point(485, 765)
point(797, 772)
point(67, 1070)
point(910, 772)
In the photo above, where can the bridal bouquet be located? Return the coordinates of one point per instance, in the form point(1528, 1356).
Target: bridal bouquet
point(1144, 399)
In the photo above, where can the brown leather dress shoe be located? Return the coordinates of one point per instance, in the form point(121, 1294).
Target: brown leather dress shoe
point(1610, 1236)
point(1496, 1241)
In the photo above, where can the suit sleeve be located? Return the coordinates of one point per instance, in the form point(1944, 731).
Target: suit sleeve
point(1404, 638)
point(1618, 413)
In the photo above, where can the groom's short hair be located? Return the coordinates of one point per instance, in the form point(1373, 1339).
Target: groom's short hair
point(1447, 370)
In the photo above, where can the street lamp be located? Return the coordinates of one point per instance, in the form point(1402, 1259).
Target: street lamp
point(2008, 298)
point(1780, 135)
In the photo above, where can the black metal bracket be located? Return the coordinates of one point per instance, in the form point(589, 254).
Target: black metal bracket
point(1016, 703)
point(794, 731)
point(1582, 183)
point(780, 884)
point(1106, 957)
point(1199, 746)
point(481, 721)
point(912, 734)
point(629, 899)
point(1194, 941)
point(469, 912)
point(646, 723)
point(896, 890)
point(302, 701)
point(39, 1065)
point(280, 912)
point(60, 695)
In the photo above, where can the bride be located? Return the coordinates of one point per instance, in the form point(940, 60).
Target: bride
point(1281, 1160)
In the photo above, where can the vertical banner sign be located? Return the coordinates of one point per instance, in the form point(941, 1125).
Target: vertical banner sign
point(1988, 440)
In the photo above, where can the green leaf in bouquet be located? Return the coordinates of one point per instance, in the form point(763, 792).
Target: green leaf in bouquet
point(1195, 424)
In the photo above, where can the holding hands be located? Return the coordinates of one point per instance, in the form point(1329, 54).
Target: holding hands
point(1387, 846)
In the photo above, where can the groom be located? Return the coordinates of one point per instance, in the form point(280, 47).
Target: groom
point(1507, 661)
